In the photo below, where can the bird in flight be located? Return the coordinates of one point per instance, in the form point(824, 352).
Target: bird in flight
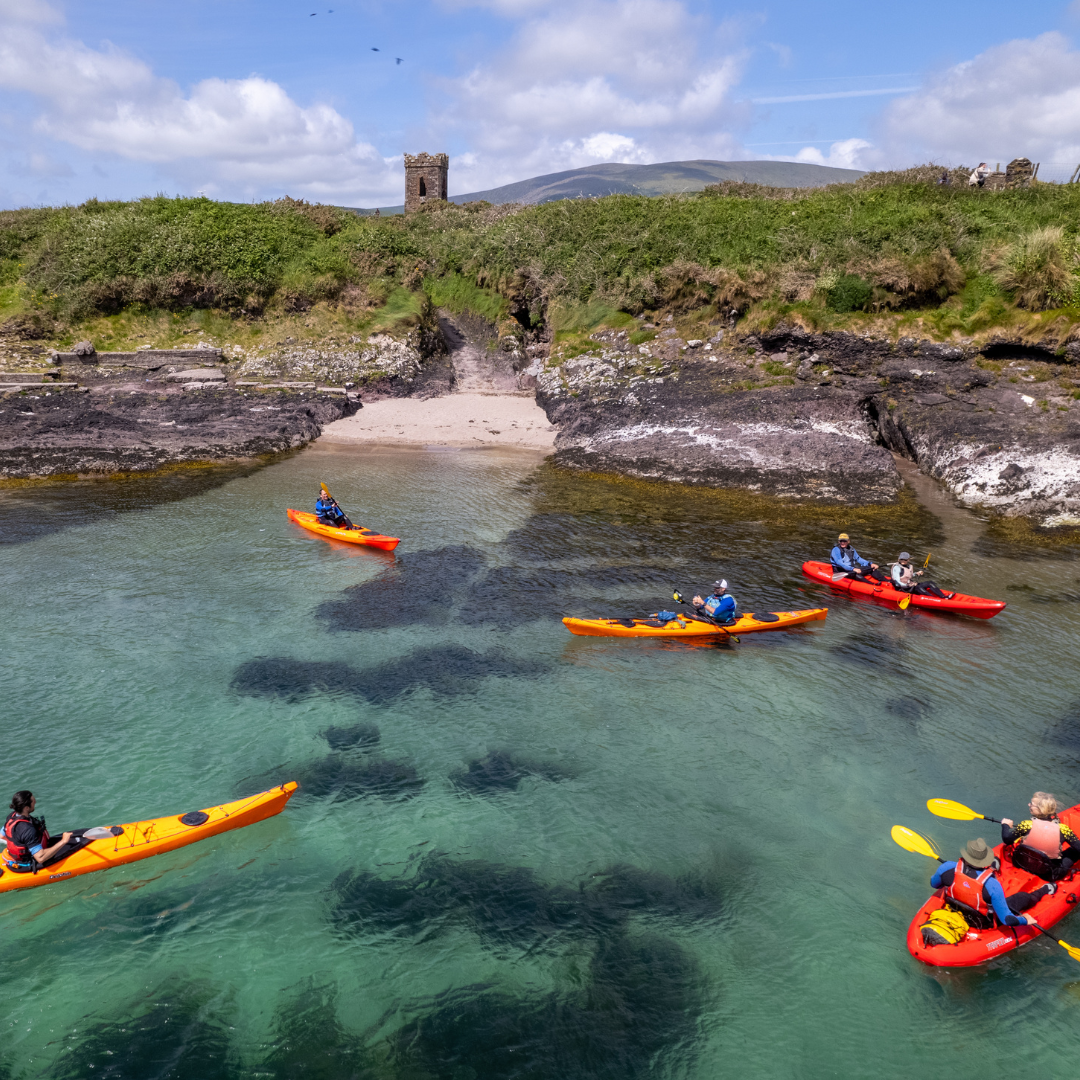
point(398, 59)
point(373, 49)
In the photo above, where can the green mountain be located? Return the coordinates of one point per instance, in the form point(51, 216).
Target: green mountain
point(660, 179)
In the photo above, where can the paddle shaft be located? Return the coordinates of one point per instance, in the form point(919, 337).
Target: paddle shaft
point(344, 516)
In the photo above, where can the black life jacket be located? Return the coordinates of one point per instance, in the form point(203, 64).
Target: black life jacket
point(19, 854)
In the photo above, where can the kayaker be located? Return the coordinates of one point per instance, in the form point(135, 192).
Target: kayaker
point(904, 575)
point(846, 560)
point(720, 607)
point(972, 887)
point(1047, 842)
point(328, 512)
point(29, 844)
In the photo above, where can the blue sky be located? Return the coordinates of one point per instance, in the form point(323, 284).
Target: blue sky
point(245, 100)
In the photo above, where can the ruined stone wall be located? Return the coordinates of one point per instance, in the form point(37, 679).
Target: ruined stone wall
point(425, 178)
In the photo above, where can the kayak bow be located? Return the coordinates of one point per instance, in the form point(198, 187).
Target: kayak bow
point(114, 845)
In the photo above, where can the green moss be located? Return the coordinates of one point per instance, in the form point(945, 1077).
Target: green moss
point(460, 294)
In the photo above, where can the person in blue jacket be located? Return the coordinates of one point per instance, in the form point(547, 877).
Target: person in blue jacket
point(720, 607)
point(847, 561)
point(328, 512)
point(971, 886)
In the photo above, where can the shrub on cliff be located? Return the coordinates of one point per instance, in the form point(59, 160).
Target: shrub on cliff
point(1037, 269)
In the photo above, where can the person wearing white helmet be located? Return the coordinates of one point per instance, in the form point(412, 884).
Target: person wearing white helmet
point(720, 607)
point(904, 575)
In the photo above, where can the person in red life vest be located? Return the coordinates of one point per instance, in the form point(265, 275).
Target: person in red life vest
point(29, 844)
point(972, 887)
point(1044, 845)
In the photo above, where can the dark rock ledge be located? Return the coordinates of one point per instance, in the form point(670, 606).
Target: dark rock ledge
point(123, 429)
point(809, 416)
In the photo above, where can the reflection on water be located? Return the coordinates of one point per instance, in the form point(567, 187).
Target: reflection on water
point(515, 853)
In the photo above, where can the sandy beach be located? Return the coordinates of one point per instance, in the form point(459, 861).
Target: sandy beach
point(462, 419)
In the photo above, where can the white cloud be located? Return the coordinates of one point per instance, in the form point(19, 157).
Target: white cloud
point(1018, 98)
point(596, 81)
point(846, 154)
point(241, 135)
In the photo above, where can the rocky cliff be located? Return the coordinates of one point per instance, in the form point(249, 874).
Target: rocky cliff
point(810, 416)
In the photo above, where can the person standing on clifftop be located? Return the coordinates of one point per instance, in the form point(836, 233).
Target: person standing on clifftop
point(847, 562)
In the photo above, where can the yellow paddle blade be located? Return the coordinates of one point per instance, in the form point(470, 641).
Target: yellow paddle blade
point(910, 840)
point(903, 605)
point(927, 563)
point(948, 809)
point(1072, 950)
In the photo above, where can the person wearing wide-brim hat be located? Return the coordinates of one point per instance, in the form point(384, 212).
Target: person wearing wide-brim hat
point(847, 562)
point(973, 888)
point(904, 575)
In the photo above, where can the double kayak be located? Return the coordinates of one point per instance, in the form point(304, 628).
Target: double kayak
point(979, 946)
point(114, 845)
point(959, 603)
point(355, 535)
point(690, 626)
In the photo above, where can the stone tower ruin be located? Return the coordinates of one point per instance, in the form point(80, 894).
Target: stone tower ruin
point(425, 178)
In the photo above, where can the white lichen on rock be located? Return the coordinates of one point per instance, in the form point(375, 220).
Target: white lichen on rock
point(380, 357)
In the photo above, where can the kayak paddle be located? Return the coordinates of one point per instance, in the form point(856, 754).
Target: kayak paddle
point(946, 808)
point(910, 840)
point(678, 598)
point(903, 604)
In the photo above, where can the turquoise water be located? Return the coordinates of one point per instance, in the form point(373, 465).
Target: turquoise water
point(559, 857)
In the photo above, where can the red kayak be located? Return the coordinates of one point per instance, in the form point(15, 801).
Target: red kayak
point(982, 945)
point(959, 603)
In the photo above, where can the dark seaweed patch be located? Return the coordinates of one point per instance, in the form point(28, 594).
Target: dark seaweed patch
point(356, 736)
point(623, 890)
point(444, 669)
point(448, 670)
point(176, 1038)
point(871, 650)
point(500, 770)
point(909, 708)
point(511, 595)
point(509, 904)
point(281, 676)
point(417, 589)
point(339, 774)
point(309, 1043)
point(641, 1000)
point(1066, 730)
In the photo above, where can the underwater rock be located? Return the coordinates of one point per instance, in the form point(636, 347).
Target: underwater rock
point(500, 770)
point(416, 589)
point(908, 708)
point(447, 670)
point(509, 904)
point(178, 1037)
point(338, 774)
point(871, 650)
point(356, 736)
point(641, 1000)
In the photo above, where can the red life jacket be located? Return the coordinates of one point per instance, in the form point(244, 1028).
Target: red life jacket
point(19, 853)
point(967, 892)
point(1045, 836)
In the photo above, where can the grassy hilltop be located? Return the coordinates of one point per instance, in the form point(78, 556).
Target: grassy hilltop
point(890, 254)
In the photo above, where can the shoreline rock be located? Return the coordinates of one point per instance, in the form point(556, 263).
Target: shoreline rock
point(131, 430)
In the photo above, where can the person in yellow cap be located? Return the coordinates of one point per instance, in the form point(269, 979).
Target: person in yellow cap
point(328, 512)
point(847, 562)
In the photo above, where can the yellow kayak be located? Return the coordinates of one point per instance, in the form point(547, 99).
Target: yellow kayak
point(114, 845)
point(690, 626)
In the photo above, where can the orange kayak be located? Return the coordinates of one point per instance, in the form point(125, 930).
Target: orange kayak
point(686, 626)
point(114, 845)
point(355, 535)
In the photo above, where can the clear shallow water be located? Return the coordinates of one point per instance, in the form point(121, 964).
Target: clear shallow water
point(562, 856)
